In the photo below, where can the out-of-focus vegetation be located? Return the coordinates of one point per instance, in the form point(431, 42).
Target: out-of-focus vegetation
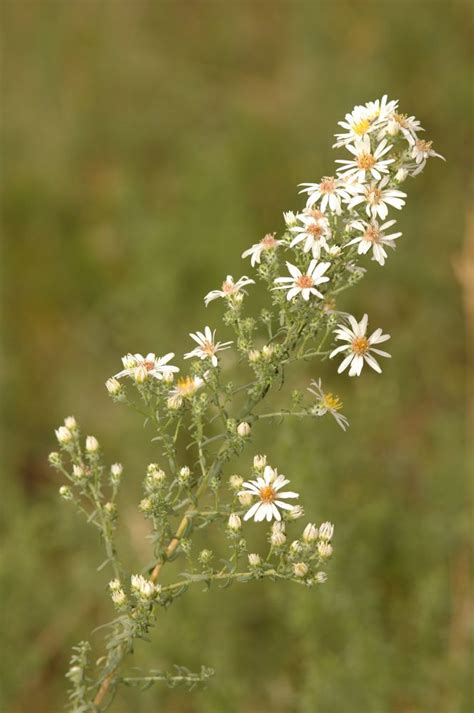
point(147, 145)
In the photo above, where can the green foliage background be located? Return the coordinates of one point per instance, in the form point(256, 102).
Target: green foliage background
point(146, 145)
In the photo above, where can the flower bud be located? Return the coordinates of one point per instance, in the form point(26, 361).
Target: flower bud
point(401, 175)
point(290, 218)
point(70, 423)
point(268, 351)
point(63, 435)
point(278, 537)
point(321, 577)
point(65, 492)
point(119, 598)
point(326, 531)
point(259, 463)
point(296, 547)
point(324, 549)
point(245, 499)
point(92, 444)
point(300, 569)
point(234, 523)
point(184, 475)
point(114, 585)
point(243, 429)
point(113, 386)
point(310, 533)
point(78, 472)
point(146, 505)
point(254, 560)
point(140, 374)
point(116, 471)
point(54, 459)
point(235, 482)
point(142, 588)
point(254, 356)
point(168, 377)
point(295, 513)
point(205, 556)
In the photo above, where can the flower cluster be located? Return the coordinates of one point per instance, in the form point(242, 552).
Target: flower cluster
point(319, 253)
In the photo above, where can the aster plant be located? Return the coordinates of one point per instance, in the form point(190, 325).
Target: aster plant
point(319, 253)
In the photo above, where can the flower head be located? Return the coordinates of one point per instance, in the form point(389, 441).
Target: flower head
point(140, 367)
point(372, 237)
point(185, 388)
point(366, 163)
point(377, 198)
point(266, 244)
point(330, 191)
point(327, 403)
point(267, 489)
point(313, 232)
point(304, 284)
point(359, 347)
point(229, 288)
point(207, 346)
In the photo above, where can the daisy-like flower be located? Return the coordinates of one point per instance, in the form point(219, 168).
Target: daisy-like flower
point(356, 124)
point(229, 288)
point(373, 237)
point(255, 252)
point(304, 284)
point(267, 489)
point(313, 232)
point(422, 150)
point(359, 347)
point(140, 367)
point(380, 109)
point(330, 190)
point(327, 403)
point(377, 198)
point(207, 346)
point(408, 126)
point(365, 164)
point(185, 388)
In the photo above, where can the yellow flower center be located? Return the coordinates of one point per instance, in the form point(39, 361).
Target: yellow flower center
point(361, 127)
point(366, 161)
point(186, 385)
point(331, 402)
point(305, 281)
point(360, 345)
point(327, 185)
point(267, 494)
point(401, 119)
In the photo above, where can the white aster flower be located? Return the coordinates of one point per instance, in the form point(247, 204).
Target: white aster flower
point(313, 232)
point(266, 488)
point(185, 388)
point(366, 164)
point(373, 237)
point(422, 150)
point(330, 190)
point(304, 284)
point(356, 124)
point(229, 288)
point(377, 198)
point(140, 367)
point(207, 346)
point(408, 126)
point(380, 109)
point(327, 403)
point(266, 244)
point(359, 347)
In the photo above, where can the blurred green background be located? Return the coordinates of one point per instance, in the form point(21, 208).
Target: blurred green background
point(146, 145)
